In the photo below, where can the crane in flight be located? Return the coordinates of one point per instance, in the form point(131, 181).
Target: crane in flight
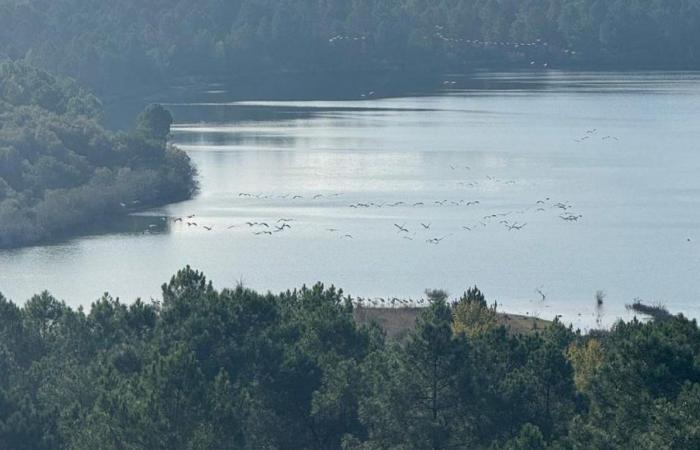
point(402, 228)
point(516, 226)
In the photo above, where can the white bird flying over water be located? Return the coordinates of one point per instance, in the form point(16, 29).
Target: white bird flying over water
point(402, 228)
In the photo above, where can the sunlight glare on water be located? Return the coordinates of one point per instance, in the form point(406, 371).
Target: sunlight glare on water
point(566, 183)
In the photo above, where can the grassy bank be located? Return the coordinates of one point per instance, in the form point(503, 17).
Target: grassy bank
point(398, 322)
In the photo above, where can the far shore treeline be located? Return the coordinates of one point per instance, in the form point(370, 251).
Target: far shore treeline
point(61, 171)
point(235, 369)
point(123, 45)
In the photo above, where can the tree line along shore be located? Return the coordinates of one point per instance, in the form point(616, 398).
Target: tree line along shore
point(61, 171)
point(235, 369)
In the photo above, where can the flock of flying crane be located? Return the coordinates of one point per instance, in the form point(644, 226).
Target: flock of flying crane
point(404, 230)
point(590, 134)
point(512, 220)
point(522, 47)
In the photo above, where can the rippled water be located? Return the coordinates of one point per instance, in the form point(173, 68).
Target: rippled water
point(617, 152)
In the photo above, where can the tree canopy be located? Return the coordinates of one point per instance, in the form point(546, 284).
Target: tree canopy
point(236, 369)
point(60, 169)
point(115, 45)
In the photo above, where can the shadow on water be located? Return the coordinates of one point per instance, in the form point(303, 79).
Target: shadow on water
point(214, 94)
point(130, 225)
point(120, 113)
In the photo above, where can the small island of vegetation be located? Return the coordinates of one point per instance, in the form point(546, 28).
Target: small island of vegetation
point(61, 170)
point(236, 369)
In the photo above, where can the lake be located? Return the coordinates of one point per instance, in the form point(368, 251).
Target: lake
point(539, 187)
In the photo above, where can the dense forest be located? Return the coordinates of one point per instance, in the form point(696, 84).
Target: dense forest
point(60, 169)
point(234, 369)
point(202, 368)
point(117, 45)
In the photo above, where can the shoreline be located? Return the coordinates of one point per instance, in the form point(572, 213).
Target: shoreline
point(397, 322)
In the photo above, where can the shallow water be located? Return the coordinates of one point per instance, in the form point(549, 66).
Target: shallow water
point(618, 152)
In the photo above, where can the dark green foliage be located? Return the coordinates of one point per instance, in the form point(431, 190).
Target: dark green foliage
point(474, 295)
point(234, 369)
point(422, 396)
point(645, 393)
point(529, 438)
point(154, 122)
point(59, 169)
point(114, 46)
point(24, 85)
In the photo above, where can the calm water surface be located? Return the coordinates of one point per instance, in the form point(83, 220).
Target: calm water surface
point(567, 183)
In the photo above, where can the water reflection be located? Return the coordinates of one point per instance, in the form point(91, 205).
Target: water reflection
point(615, 213)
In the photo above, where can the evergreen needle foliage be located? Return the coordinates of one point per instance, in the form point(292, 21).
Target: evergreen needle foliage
point(235, 369)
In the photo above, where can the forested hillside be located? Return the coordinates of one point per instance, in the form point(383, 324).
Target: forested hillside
point(120, 44)
point(60, 169)
point(234, 369)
